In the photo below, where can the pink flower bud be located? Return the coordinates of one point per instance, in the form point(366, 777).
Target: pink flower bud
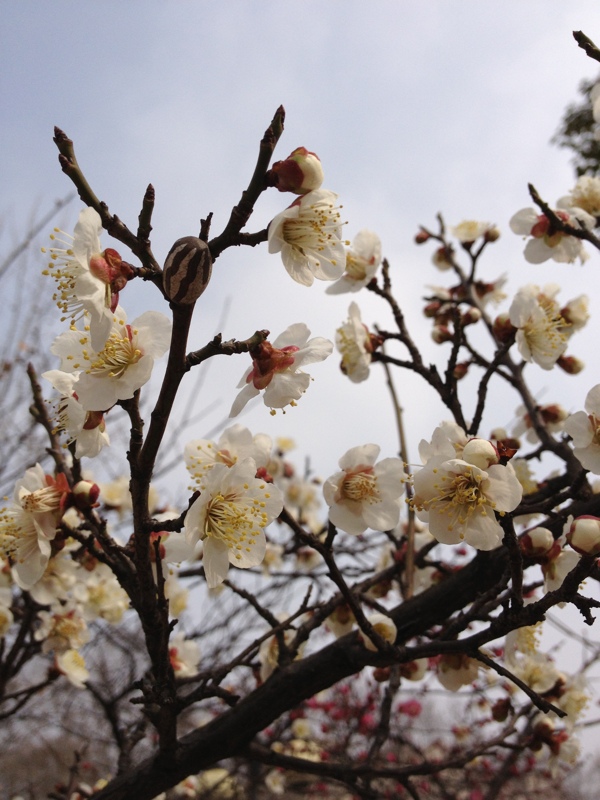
point(300, 173)
point(584, 535)
point(470, 317)
point(460, 370)
point(441, 334)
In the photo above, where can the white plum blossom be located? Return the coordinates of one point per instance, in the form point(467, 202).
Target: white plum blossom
point(62, 628)
point(72, 664)
point(28, 526)
point(365, 494)
point(459, 500)
point(469, 230)
point(308, 236)
point(362, 262)
point(122, 366)
point(86, 428)
point(448, 441)
point(584, 196)
point(354, 342)
point(455, 670)
point(184, 655)
point(548, 242)
point(276, 368)
point(584, 428)
point(88, 278)
point(235, 444)
point(230, 516)
point(542, 332)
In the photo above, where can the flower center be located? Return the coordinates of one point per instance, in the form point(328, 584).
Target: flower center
point(315, 228)
point(361, 486)
point(235, 521)
point(41, 501)
point(460, 497)
point(356, 266)
point(118, 354)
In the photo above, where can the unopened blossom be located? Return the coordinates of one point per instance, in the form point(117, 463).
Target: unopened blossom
point(469, 230)
point(276, 368)
point(585, 196)
point(230, 516)
point(86, 428)
point(301, 172)
point(584, 535)
point(365, 494)
point(122, 366)
point(542, 333)
point(341, 620)
point(235, 444)
point(355, 344)
point(89, 279)
point(584, 428)
point(547, 242)
point(576, 313)
point(28, 526)
point(363, 258)
point(308, 236)
point(455, 670)
point(552, 417)
point(384, 626)
point(556, 567)
point(184, 655)
point(537, 542)
point(460, 500)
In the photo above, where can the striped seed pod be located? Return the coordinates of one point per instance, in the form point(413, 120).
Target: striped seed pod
point(187, 270)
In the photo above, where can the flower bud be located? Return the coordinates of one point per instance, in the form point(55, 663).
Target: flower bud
point(503, 329)
point(584, 535)
point(384, 626)
point(471, 316)
point(422, 236)
point(85, 494)
point(187, 270)
point(492, 234)
point(570, 364)
point(480, 453)
point(441, 334)
point(460, 370)
point(442, 258)
point(300, 173)
point(536, 542)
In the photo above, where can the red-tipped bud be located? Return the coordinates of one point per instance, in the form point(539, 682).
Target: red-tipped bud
point(537, 542)
point(300, 173)
point(501, 709)
point(422, 236)
point(584, 535)
point(443, 258)
point(471, 316)
point(85, 494)
point(553, 414)
point(460, 370)
point(570, 364)
point(492, 234)
point(503, 329)
point(441, 334)
point(431, 309)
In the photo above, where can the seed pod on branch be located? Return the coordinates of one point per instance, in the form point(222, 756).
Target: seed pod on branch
point(187, 270)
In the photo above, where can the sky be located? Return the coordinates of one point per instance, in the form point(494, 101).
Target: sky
point(413, 108)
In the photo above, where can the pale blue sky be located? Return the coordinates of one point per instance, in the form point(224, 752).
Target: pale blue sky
point(414, 108)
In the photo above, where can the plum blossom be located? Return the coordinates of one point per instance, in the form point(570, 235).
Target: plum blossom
point(276, 368)
point(86, 428)
point(88, 279)
point(469, 230)
point(584, 196)
point(184, 655)
point(552, 417)
point(584, 428)
point(235, 444)
point(542, 332)
point(230, 516)
point(548, 242)
point(365, 494)
point(455, 670)
point(355, 344)
point(28, 526)
point(460, 500)
point(72, 664)
point(122, 366)
point(308, 236)
point(362, 262)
